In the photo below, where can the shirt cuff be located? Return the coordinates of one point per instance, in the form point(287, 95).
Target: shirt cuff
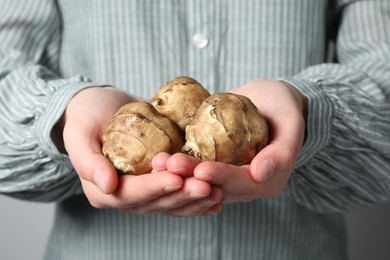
point(319, 118)
point(53, 113)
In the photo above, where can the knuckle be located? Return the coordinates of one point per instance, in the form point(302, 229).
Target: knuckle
point(131, 203)
point(217, 194)
point(289, 156)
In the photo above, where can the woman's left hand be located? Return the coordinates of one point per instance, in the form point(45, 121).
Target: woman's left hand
point(285, 109)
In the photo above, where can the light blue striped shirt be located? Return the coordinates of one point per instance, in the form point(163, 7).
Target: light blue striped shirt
point(336, 52)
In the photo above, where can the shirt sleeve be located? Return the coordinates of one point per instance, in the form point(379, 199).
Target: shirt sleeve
point(345, 161)
point(32, 99)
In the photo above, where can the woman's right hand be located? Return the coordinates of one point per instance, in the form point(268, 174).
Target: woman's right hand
point(84, 121)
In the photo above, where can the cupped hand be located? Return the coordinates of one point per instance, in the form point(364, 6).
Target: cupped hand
point(84, 121)
point(190, 200)
point(285, 109)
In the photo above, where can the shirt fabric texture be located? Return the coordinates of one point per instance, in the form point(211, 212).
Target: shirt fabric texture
point(50, 50)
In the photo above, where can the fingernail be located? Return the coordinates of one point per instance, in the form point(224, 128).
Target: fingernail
point(100, 181)
point(267, 169)
point(171, 188)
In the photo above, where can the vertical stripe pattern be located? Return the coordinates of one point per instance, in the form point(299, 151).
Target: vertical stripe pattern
point(50, 50)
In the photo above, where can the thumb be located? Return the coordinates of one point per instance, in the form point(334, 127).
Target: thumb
point(84, 151)
point(85, 117)
point(279, 157)
point(272, 160)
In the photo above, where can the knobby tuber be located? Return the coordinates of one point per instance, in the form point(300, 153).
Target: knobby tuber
point(136, 133)
point(227, 128)
point(179, 100)
point(183, 117)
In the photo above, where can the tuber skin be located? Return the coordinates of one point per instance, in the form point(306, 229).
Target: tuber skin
point(179, 100)
point(227, 128)
point(184, 117)
point(137, 133)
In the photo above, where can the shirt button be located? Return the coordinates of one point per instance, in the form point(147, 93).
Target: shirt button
point(200, 41)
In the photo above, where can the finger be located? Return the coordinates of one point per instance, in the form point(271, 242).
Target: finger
point(84, 151)
point(220, 173)
point(280, 155)
point(235, 181)
point(217, 208)
point(159, 162)
point(182, 164)
point(134, 191)
point(192, 190)
point(212, 204)
point(83, 130)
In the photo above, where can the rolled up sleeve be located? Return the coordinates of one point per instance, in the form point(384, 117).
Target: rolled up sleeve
point(345, 161)
point(32, 99)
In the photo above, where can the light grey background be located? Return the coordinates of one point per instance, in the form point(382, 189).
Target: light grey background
point(25, 226)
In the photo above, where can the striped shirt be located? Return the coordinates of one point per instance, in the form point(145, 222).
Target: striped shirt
point(336, 52)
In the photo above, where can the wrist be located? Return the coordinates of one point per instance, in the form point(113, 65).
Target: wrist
point(57, 131)
point(302, 100)
point(319, 117)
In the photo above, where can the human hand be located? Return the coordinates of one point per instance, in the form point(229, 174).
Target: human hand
point(284, 108)
point(195, 198)
point(84, 121)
